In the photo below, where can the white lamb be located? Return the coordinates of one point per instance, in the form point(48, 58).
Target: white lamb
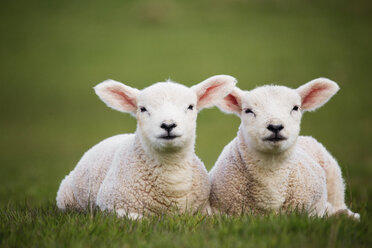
point(267, 167)
point(155, 170)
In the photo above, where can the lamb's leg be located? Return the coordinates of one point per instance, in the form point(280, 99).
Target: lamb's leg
point(335, 183)
point(330, 211)
point(336, 188)
point(65, 196)
point(207, 210)
point(322, 207)
point(132, 216)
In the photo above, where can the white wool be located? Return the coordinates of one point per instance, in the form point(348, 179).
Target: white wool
point(154, 170)
point(262, 171)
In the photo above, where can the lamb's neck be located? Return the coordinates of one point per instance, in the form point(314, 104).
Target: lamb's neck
point(262, 160)
point(167, 159)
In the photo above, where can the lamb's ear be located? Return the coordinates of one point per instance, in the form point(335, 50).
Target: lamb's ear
point(118, 96)
point(232, 103)
point(213, 89)
point(316, 93)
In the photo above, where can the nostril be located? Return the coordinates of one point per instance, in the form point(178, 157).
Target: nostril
point(275, 128)
point(168, 127)
point(173, 125)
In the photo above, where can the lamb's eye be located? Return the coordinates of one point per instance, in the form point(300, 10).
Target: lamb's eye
point(295, 108)
point(143, 109)
point(191, 107)
point(249, 111)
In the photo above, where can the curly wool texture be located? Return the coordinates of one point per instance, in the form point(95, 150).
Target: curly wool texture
point(241, 181)
point(146, 187)
point(268, 166)
point(155, 170)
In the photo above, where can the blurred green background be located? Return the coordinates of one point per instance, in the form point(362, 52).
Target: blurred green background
point(54, 52)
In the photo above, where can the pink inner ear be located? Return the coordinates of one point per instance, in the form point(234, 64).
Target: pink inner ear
point(123, 97)
point(231, 100)
point(310, 98)
point(207, 92)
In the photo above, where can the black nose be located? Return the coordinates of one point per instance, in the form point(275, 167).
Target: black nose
point(168, 127)
point(275, 128)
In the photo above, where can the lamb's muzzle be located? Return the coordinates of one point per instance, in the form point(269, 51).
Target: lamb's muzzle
point(168, 128)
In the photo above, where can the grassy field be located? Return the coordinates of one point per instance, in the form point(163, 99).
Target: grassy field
point(54, 52)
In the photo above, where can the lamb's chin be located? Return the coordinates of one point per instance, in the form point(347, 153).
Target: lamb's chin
point(276, 147)
point(169, 145)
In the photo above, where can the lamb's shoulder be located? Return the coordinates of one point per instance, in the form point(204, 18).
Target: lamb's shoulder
point(228, 181)
point(200, 174)
point(124, 174)
point(308, 165)
point(317, 151)
point(198, 195)
point(92, 168)
point(307, 181)
point(99, 158)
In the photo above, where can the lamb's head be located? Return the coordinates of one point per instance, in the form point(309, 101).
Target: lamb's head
point(271, 115)
point(166, 112)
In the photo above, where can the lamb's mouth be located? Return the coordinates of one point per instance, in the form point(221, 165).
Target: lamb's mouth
point(274, 138)
point(169, 136)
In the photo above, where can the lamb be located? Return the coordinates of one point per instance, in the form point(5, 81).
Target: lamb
point(154, 170)
point(267, 167)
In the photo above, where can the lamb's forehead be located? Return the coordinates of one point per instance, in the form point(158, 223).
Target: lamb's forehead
point(272, 93)
point(167, 92)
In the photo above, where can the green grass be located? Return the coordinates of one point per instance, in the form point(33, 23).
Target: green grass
point(53, 53)
point(47, 227)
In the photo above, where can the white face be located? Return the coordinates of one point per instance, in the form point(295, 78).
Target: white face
point(271, 115)
point(271, 118)
point(166, 112)
point(166, 116)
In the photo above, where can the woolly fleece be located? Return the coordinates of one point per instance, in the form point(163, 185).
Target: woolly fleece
point(154, 170)
point(256, 173)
